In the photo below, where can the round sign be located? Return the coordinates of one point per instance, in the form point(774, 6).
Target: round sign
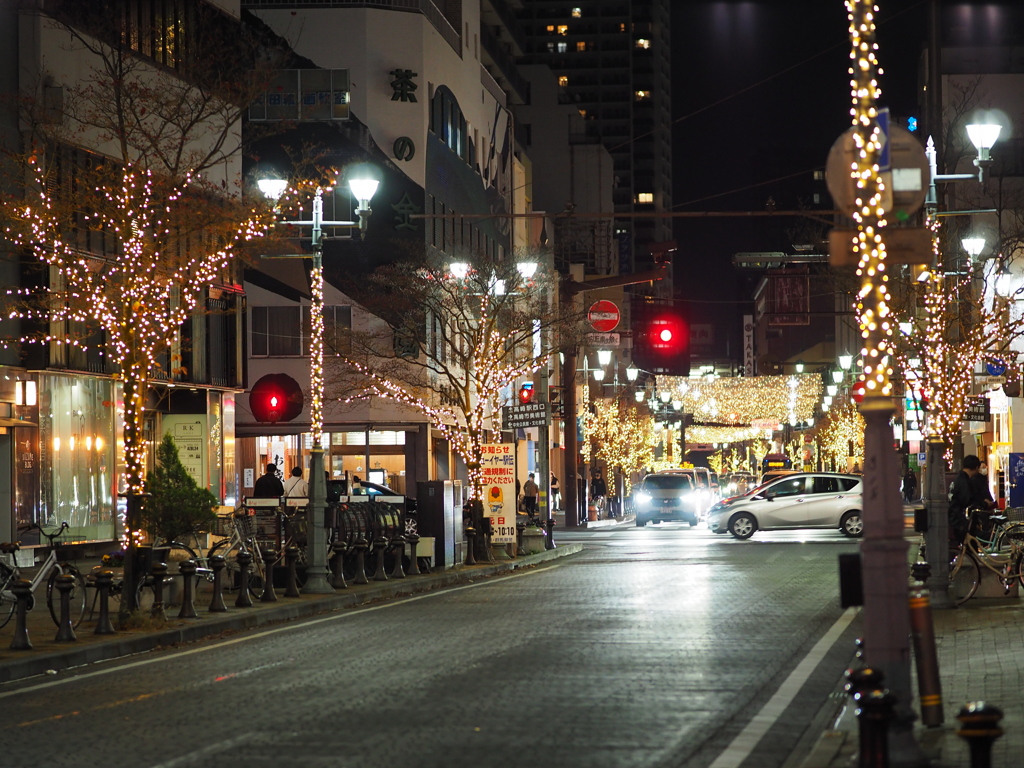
point(995, 367)
point(603, 316)
point(857, 391)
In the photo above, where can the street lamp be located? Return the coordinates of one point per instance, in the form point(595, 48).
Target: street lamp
point(973, 245)
point(363, 183)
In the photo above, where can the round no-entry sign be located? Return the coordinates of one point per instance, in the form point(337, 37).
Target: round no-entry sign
point(603, 316)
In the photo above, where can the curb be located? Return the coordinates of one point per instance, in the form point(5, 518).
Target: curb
point(12, 669)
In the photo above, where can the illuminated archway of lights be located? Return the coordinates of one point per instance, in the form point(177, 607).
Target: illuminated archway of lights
point(741, 400)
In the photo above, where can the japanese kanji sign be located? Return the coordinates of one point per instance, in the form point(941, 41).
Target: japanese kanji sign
point(498, 467)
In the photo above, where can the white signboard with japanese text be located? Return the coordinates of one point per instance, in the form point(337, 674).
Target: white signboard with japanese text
point(498, 468)
point(189, 432)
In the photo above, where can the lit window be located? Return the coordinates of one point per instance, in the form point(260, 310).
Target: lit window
point(643, 43)
point(581, 46)
point(563, 47)
point(563, 80)
point(622, 27)
point(643, 95)
point(645, 197)
point(577, 12)
point(551, 47)
point(583, 113)
point(563, 29)
point(551, 28)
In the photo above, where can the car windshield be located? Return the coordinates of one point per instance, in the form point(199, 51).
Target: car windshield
point(667, 482)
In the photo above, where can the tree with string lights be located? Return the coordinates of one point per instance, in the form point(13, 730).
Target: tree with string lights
point(125, 200)
point(617, 433)
point(448, 342)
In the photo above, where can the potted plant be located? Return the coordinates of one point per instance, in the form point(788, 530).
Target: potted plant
point(175, 506)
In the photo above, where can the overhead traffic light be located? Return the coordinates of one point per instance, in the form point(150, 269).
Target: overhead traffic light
point(275, 397)
point(661, 339)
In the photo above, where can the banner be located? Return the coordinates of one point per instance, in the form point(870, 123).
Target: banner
point(498, 469)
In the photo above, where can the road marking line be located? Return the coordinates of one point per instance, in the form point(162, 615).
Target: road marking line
point(211, 749)
point(277, 630)
point(742, 746)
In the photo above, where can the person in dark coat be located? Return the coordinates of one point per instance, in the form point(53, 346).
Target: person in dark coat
point(909, 486)
point(965, 493)
point(269, 486)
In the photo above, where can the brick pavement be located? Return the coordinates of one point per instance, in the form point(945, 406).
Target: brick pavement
point(48, 656)
point(981, 658)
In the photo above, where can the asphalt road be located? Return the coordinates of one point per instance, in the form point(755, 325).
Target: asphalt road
point(661, 646)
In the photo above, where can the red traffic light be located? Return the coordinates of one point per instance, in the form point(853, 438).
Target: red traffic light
point(665, 335)
point(526, 393)
point(275, 397)
point(661, 339)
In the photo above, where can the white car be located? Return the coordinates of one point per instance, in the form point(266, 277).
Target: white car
point(802, 500)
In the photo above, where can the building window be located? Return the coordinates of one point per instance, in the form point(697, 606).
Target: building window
point(643, 42)
point(551, 47)
point(577, 12)
point(581, 46)
point(563, 29)
point(551, 29)
point(563, 80)
point(583, 113)
point(563, 47)
point(284, 331)
point(643, 95)
point(645, 197)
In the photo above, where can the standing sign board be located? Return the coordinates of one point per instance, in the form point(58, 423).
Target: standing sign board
point(498, 467)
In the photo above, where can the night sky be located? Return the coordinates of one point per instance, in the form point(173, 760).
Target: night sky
point(760, 93)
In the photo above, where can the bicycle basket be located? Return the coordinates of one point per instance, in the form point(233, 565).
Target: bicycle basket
point(1014, 514)
point(223, 525)
point(295, 529)
point(63, 549)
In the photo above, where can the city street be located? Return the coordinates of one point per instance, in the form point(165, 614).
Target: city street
point(662, 646)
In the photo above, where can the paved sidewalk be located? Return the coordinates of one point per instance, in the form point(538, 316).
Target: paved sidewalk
point(49, 657)
point(981, 658)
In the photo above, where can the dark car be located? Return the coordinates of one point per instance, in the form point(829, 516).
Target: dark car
point(664, 497)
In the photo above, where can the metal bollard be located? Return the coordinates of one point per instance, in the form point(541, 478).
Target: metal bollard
point(104, 581)
point(22, 590)
point(187, 569)
point(217, 565)
point(291, 560)
point(159, 571)
point(361, 546)
point(979, 727)
point(380, 546)
point(398, 547)
point(874, 708)
point(337, 578)
point(470, 555)
point(65, 630)
point(244, 599)
point(549, 540)
point(520, 530)
point(269, 558)
point(926, 656)
point(414, 566)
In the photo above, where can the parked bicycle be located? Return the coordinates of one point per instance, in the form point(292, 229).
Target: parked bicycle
point(1001, 551)
point(46, 572)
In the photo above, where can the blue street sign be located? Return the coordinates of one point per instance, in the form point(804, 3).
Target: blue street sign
point(883, 124)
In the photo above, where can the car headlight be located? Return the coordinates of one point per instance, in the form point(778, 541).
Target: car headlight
point(643, 498)
point(684, 496)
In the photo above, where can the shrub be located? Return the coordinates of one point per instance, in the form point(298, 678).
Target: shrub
point(175, 505)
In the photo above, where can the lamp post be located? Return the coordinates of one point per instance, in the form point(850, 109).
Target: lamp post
point(363, 184)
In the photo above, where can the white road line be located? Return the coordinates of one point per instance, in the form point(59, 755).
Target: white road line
point(276, 630)
point(212, 749)
point(741, 747)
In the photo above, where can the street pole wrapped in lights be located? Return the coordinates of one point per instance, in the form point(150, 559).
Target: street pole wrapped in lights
point(363, 183)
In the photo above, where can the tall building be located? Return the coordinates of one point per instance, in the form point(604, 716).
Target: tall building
point(612, 61)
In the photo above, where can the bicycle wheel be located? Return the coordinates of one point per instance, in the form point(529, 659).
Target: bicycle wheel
point(229, 551)
point(7, 602)
point(964, 574)
point(77, 595)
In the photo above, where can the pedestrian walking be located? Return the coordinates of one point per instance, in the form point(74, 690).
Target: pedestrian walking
point(909, 485)
point(269, 486)
point(530, 491)
point(556, 495)
point(295, 486)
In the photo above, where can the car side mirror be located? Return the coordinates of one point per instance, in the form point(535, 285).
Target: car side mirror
point(769, 496)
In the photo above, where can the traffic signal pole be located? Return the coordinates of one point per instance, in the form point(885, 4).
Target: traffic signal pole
point(569, 290)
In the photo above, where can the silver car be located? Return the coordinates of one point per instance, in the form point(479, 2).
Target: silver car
point(666, 496)
point(803, 500)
